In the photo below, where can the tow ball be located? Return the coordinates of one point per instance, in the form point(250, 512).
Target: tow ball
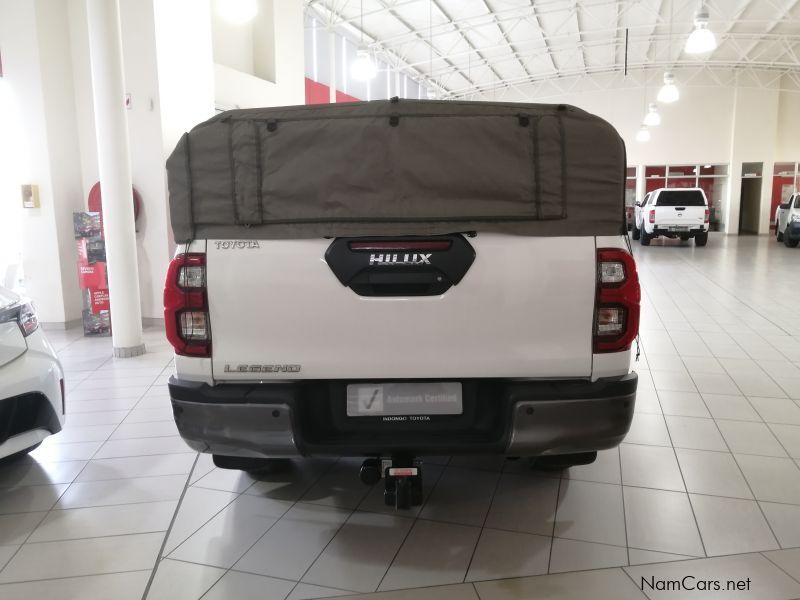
point(402, 478)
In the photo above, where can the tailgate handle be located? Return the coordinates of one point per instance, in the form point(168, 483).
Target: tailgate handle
point(680, 208)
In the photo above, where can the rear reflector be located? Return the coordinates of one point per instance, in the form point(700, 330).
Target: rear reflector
point(389, 245)
point(616, 318)
point(186, 306)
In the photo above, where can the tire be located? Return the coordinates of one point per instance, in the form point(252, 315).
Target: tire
point(636, 233)
point(559, 462)
point(778, 233)
point(18, 455)
point(645, 238)
point(701, 239)
point(251, 464)
point(789, 243)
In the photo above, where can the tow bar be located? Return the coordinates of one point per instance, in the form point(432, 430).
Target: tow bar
point(402, 476)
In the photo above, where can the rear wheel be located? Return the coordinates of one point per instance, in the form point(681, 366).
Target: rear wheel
point(636, 232)
point(251, 464)
point(788, 242)
point(645, 238)
point(563, 461)
point(701, 239)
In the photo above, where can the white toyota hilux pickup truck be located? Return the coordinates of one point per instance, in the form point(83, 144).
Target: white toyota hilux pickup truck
point(672, 213)
point(787, 222)
point(326, 299)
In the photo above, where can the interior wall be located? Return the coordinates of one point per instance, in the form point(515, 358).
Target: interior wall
point(787, 146)
point(277, 51)
point(37, 66)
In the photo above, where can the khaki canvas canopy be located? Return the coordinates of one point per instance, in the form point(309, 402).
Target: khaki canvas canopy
point(398, 167)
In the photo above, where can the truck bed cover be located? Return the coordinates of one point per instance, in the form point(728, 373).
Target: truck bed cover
point(398, 167)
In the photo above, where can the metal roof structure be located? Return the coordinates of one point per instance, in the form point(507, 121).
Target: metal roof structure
point(475, 48)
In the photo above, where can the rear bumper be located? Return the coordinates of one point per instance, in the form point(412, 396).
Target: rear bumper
point(662, 229)
point(308, 418)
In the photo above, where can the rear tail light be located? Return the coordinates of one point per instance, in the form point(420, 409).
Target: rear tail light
point(707, 216)
point(616, 318)
point(652, 216)
point(186, 306)
point(25, 317)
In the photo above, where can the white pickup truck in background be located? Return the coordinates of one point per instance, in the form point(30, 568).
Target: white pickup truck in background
point(674, 213)
point(787, 222)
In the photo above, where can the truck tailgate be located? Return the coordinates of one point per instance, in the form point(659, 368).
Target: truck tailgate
point(523, 309)
point(689, 216)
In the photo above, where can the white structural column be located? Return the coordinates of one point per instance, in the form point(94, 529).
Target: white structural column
point(113, 153)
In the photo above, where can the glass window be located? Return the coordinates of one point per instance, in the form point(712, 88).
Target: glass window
point(630, 173)
point(752, 169)
point(713, 170)
point(682, 170)
point(682, 182)
point(681, 198)
point(784, 169)
point(797, 202)
point(653, 172)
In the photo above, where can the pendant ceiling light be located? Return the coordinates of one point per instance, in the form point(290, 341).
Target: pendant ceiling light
point(643, 135)
point(702, 39)
point(669, 91)
point(237, 12)
point(652, 118)
point(363, 67)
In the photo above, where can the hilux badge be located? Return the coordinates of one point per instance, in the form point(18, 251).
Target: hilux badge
point(399, 259)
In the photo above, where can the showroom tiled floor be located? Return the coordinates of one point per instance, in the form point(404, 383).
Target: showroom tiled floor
point(707, 482)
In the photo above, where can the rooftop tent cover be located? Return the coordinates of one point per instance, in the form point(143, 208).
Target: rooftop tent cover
point(398, 167)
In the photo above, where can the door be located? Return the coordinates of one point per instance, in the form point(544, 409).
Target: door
point(750, 205)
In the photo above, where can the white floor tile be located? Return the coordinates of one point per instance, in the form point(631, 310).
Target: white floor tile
point(524, 502)
point(461, 496)
point(714, 473)
point(49, 560)
point(772, 479)
point(122, 491)
point(767, 582)
point(433, 554)
point(662, 521)
point(294, 542)
point(650, 466)
point(177, 580)
point(504, 554)
point(605, 584)
point(116, 586)
point(591, 512)
point(229, 534)
point(695, 433)
point(572, 555)
point(30, 498)
point(605, 469)
point(732, 526)
point(102, 521)
point(361, 552)
point(246, 586)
